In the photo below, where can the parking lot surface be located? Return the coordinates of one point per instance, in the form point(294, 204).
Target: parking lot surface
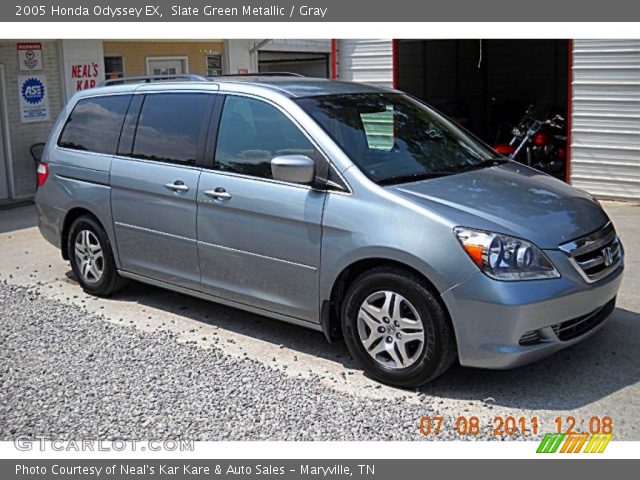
point(149, 363)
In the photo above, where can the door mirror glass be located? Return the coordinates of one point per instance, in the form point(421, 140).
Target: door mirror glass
point(293, 169)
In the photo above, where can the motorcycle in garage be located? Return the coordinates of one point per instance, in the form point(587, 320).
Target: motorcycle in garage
point(541, 144)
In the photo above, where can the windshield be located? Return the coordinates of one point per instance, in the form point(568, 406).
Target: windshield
point(393, 138)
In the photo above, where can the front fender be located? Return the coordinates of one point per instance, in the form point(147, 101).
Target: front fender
point(375, 227)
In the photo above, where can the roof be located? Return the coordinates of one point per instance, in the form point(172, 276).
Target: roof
point(306, 86)
point(291, 86)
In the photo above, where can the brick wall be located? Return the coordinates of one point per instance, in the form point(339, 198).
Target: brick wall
point(23, 135)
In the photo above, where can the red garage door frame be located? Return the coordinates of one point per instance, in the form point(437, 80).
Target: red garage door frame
point(334, 59)
point(394, 62)
point(569, 108)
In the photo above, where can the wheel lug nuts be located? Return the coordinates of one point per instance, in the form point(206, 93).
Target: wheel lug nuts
point(389, 339)
point(398, 335)
point(381, 329)
point(396, 323)
point(385, 319)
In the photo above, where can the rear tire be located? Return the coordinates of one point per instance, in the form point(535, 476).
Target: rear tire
point(91, 257)
point(396, 328)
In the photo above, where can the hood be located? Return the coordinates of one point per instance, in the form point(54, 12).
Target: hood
point(511, 199)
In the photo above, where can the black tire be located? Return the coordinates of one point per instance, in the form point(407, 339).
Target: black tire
point(110, 282)
point(439, 350)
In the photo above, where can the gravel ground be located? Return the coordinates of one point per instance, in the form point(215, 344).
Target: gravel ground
point(146, 364)
point(69, 374)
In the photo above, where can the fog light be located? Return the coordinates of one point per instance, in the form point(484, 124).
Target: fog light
point(530, 338)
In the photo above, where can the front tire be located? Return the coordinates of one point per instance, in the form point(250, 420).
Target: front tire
point(91, 257)
point(396, 329)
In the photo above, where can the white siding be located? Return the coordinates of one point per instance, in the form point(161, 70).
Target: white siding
point(367, 61)
point(605, 134)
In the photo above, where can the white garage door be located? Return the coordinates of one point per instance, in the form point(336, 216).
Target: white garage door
point(605, 142)
point(368, 61)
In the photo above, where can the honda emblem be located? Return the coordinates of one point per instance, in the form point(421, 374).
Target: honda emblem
point(607, 255)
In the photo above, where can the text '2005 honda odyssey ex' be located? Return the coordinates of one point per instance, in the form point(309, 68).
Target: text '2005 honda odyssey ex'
point(347, 208)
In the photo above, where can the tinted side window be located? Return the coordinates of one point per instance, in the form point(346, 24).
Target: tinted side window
point(171, 127)
point(251, 133)
point(94, 124)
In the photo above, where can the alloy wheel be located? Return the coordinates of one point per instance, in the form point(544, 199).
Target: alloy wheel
point(390, 329)
point(89, 256)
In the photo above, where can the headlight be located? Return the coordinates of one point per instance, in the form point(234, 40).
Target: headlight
point(505, 258)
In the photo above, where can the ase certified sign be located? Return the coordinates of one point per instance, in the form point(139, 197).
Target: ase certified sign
point(34, 99)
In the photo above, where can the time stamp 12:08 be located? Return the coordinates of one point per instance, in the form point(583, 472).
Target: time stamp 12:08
point(501, 426)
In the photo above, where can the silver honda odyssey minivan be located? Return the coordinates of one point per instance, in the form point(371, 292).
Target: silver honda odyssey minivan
point(350, 209)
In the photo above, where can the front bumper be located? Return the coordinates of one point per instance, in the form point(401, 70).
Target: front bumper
point(490, 317)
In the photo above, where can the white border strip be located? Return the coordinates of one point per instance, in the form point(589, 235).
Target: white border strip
point(199, 31)
point(202, 30)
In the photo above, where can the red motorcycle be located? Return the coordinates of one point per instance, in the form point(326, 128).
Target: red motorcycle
point(538, 144)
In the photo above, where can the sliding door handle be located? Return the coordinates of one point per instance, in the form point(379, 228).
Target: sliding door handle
point(218, 194)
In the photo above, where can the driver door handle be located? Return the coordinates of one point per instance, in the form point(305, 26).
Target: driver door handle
point(218, 194)
point(177, 186)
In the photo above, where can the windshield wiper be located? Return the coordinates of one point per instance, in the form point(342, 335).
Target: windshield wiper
point(414, 177)
point(488, 162)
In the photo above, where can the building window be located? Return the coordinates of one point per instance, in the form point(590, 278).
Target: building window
point(167, 65)
point(113, 67)
point(214, 65)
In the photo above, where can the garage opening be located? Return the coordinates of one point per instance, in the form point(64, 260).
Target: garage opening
point(488, 85)
point(303, 63)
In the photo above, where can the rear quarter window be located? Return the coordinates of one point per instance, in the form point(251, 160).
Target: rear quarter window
point(94, 124)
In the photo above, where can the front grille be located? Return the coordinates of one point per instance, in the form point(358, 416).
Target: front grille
point(576, 327)
point(595, 255)
point(569, 329)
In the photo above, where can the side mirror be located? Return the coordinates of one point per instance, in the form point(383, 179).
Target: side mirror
point(293, 169)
